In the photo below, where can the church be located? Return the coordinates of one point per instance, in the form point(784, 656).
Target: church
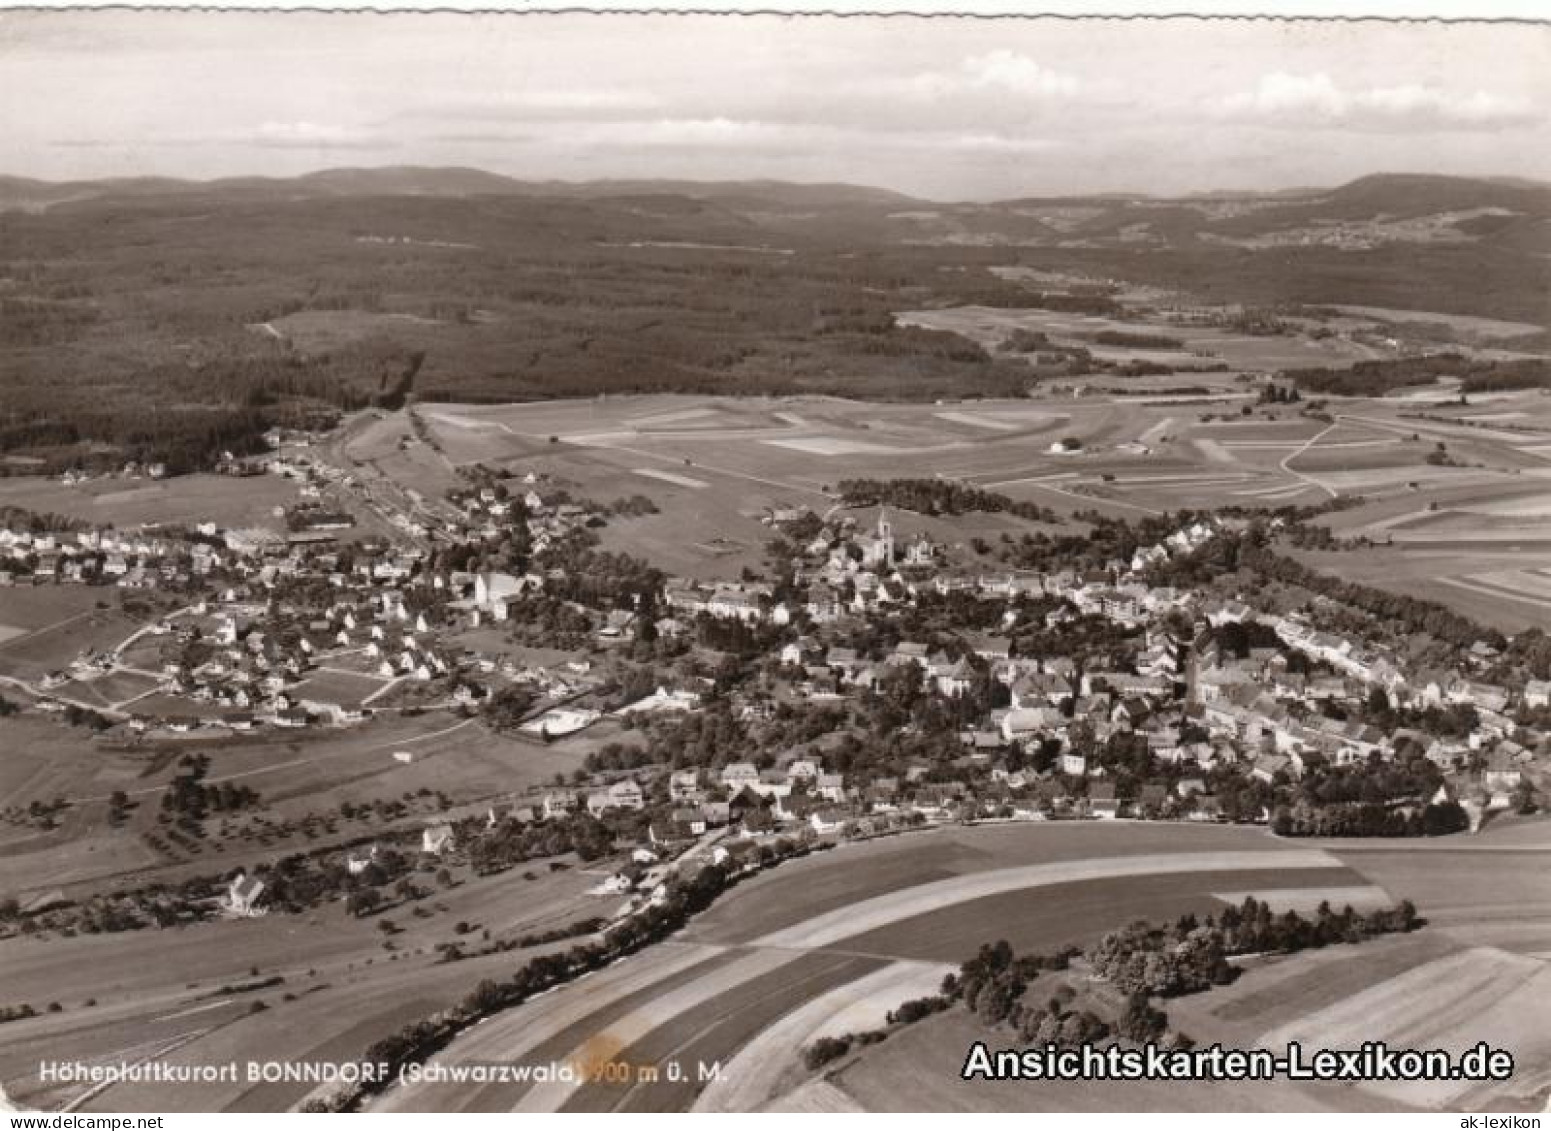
point(878, 551)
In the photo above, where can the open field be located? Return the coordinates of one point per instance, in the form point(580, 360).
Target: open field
point(337, 685)
point(799, 949)
point(918, 1070)
point(755, 1074)
point(823, 944)
point(1452, 1003)
point(296, 777)
point(38, 651)
point(32, 607)
point(1272, 992)
point(1463, 323)
point(187, 499)
point(1505, 612)
point(951, 918)
point(713, 485)
point(107, 691)
point(341, 989)
point(1494, 892)
point(716, 466)
point(802, 934)
point(990, 327)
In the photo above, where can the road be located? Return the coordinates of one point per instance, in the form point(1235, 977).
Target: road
point(1313, 440)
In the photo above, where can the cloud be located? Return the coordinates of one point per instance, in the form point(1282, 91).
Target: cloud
point(1280, 93)
point(1000, 71)
point(1317, 100)
point(1001, 144)
point(686, 133)
point(703, 131)
point(1478, 107)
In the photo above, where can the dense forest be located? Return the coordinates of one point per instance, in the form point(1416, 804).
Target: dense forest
point(1376, 378)
point(172, 330)
point(939, 497)
point(175, 325)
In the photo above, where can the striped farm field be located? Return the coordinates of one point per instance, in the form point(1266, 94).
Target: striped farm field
point(1455, 1002)
point(1508, 586)
point(1529, 582)
point(832, 942)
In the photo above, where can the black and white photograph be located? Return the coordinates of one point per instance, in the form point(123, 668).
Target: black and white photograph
point(650, 562)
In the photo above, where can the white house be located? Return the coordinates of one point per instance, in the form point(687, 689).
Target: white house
point(243, 896)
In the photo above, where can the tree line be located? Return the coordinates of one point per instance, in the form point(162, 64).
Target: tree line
point(939, 497)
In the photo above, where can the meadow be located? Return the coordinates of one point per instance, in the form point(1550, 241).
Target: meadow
point(129, 503)
point(716, 467)
point(1476, 971)
point(873, 915)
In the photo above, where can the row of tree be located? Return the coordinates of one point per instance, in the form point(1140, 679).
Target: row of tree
point(939, 497)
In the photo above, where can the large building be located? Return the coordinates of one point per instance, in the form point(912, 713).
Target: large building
point(879, 551)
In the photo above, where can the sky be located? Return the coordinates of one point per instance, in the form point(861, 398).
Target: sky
point(945, 109)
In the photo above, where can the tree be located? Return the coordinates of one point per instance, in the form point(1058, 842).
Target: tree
point(1139, 1021)
point(824, 1050)
point(1524, 798)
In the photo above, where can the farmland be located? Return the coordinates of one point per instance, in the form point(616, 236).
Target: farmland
point(813, 945)
point(716, 467)
point(512, 391)
point(309, 775)
point(918, 1068)
point(244, 989)
point(131, 503)
point(808, 948)
point(336, 988)
point(1200, 345)
point(921, 1073)
point(46, 628)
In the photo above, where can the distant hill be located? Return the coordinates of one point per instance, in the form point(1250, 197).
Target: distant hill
point(403, 180)
point(830, 210)
point(254, 301)
point(27, 194)
point(449, 182)
point(1411, 195)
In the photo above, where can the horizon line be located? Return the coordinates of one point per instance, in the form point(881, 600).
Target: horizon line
point(1506, 179)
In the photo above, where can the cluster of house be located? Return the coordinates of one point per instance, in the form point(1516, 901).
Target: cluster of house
point(1195, 708)
point(263, 648)
point(1259, 701)
point(486, 513)
point(133, 469)
point(106, 557)
point(852, 573)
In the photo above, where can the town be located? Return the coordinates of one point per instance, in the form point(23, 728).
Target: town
point(870, 684)
point(597, 562)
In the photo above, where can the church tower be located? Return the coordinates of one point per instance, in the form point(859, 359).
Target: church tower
point(885, 543)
